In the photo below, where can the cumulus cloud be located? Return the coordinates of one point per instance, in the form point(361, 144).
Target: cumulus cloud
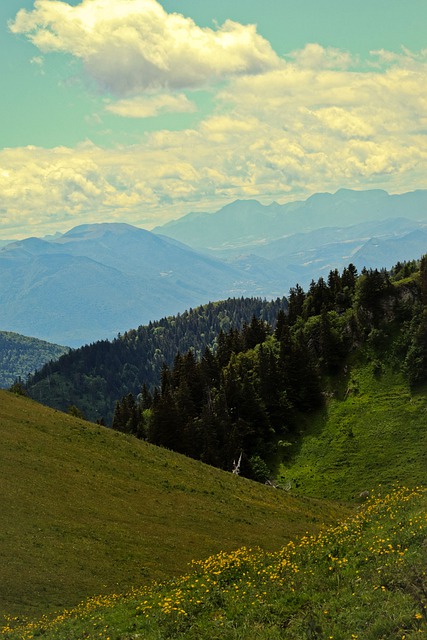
point(314, 56)
point(146, 107)
point(316, 122)
point(326, 110)
point(132, 46)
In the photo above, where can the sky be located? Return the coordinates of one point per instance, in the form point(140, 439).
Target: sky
point(142, 111)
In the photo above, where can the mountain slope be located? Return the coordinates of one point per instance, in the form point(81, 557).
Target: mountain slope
point(87, 510)
point(97, 280)
point(94, 377)
point(242, 223)
point(371, 431)
point(21, 356)
point(364, 578)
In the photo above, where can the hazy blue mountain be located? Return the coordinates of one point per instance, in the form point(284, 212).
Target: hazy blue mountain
point(3, 243)
point(21, 355)
point(346, 238)
point(377, 251)
point(98, 280)
point(245, 223)
point(306, 256)
point(301, 241)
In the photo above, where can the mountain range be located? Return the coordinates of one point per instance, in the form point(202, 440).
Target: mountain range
point(98, 280)
point(248, 223)
point(301, 241)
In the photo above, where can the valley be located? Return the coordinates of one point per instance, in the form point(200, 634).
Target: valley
point(87, 510)
point(314, 399)
point(98, 280)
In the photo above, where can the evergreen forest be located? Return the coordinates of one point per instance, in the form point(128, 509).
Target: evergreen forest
point(227, 383)
point(21, 356)
point(243, 402)
point(91, 378)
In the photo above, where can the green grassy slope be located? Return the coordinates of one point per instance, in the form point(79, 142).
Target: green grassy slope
point(373, 430)
point(362, 580)
point(87, 510)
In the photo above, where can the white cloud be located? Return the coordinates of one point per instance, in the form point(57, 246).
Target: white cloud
point(130, 46)
point(314, 56)
point(146, 107)
point(312, 123)
point(37, 60)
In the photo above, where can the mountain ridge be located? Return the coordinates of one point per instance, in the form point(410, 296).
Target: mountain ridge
point(21, 356)
point(96, 281)
point(113, 276)
point(319, 210)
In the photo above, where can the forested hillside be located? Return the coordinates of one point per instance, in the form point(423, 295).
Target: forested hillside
point(250, 396)
point(21, 356)
point(92, 378)
point(325, 396)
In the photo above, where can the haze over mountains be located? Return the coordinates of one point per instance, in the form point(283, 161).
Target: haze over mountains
point(301, 241)
point(97, 280)
point(248, 223)
point(305, 240)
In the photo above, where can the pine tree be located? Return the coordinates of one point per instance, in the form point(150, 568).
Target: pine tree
point(296, 303)
point(423, 278)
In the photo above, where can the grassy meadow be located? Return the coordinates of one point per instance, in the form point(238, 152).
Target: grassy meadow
point(364, 579)
point(372, 430)
point(86, 510)
point(173, 548)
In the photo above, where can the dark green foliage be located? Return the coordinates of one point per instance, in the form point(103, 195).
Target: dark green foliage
point(416, 358)
point(296, 303)
point(214, 409)
point(254, 333)
point(423, 278)
point(403, 270)
point(128, 417)
point(372, 287)
point(259, 470)
point(18, 388)
point(93, 377)
point(241, 389)
point(75, 412)
point(299, 378)
point(249, 393)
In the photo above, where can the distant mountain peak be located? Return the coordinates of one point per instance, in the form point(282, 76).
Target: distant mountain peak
point(243, 222)
point(99, 229)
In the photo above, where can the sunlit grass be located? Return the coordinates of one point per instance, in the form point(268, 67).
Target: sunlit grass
point(371, 430)
point(88, 510)
point(363, 579)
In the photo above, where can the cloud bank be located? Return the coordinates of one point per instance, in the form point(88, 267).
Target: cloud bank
point(316, 120)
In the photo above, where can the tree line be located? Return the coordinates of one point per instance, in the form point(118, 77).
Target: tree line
point(92, 377)
point(245, 395)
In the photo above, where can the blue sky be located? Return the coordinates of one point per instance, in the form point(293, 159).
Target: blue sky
point(142, 111)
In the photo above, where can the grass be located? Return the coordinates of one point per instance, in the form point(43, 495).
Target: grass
point(364, 579)
point(87, 510)
point(372, 431)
